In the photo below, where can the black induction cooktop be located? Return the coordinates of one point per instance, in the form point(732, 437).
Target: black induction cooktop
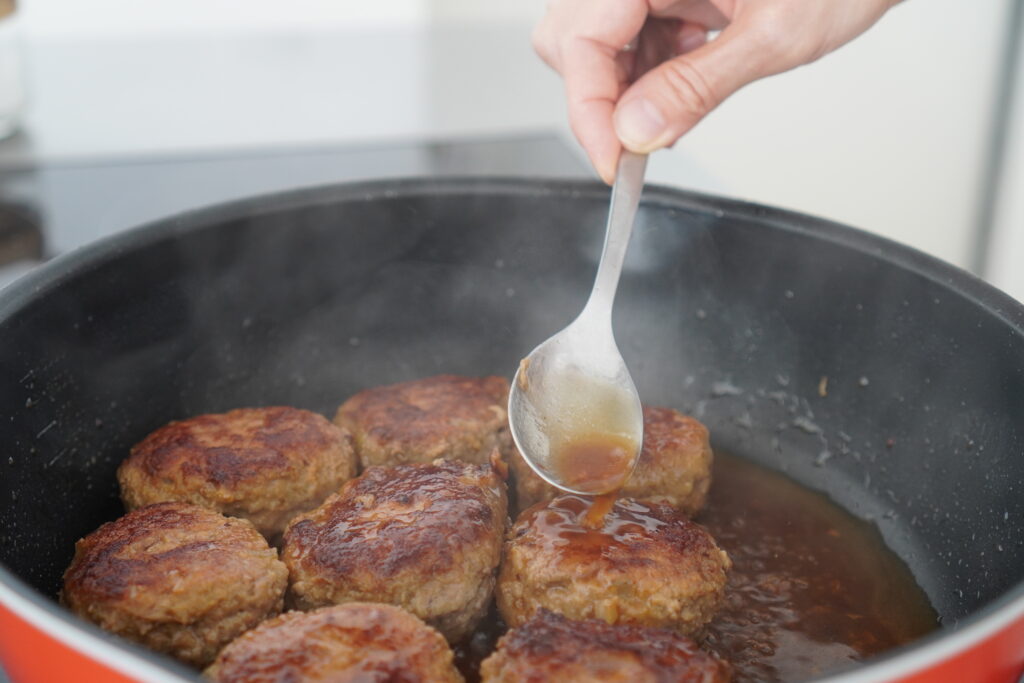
point(47, 208)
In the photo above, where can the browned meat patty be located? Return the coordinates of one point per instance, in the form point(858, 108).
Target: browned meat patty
point(262, 464)
point(178, 578)
point(674, 465)
point(456, 418)
point(550, 647)
point(353, 643)
point(646, 564)
point(424, 537)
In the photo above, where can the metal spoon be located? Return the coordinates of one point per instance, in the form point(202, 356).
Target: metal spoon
point(575, 385)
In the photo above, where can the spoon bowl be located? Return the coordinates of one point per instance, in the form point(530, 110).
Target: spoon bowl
point(574, 411)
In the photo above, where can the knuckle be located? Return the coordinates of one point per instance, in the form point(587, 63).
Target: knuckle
point(782, 39)
point(692, 93)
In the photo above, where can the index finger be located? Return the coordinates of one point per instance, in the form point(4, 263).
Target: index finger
point(587, 56)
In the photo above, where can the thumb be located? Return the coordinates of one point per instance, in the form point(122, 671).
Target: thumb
point(672, 98)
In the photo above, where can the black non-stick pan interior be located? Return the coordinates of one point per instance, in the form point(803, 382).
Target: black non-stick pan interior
point(732, 312)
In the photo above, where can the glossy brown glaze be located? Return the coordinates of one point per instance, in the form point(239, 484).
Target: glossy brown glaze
point(550, 647)
point(351, 643)
point(647, 564)
point(629, 531)
point(264, 464)
point(447, 416)
point(599, 508)
point(812, 589)
point(426, 537)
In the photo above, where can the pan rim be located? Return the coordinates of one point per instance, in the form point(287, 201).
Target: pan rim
point(917, 656)
point(932, 268)
point(60, 624)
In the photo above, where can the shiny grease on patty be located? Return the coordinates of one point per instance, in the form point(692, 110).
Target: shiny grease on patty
point(646, 564)
point(426, 537)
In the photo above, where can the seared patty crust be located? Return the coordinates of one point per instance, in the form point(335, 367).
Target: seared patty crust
point(262, 464)
point(447, 416)
point(425, 537)
point(178, 578)
point(646, 564)
point(550, 647)
point(352, 643)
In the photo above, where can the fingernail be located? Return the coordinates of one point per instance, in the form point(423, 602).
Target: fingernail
point(639, 125)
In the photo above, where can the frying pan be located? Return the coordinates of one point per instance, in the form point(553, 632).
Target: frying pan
point(731, 311)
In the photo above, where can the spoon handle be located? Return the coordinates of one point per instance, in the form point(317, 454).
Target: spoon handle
point(629, 182)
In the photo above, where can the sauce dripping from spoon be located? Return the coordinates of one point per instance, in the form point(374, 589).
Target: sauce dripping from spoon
point(595, 462)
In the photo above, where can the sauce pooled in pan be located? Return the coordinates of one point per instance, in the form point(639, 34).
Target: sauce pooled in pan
point(812, 589)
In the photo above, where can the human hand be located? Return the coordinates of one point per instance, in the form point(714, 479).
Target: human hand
point(689, 76)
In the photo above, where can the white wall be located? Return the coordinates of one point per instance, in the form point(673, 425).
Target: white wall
point(162, 77)
point(887, 134)
point(106, 19)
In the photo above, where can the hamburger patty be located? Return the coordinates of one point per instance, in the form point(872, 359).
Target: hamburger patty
point(450, 417)
point(550, 647)
point(262, 464)
point(646, 564)
point(426, 537)
point(178, 578)
point(352, 643)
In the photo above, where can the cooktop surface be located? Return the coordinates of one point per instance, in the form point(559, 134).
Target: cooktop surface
point(47, 208)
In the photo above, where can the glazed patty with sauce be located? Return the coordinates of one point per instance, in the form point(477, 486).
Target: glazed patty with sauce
point(447, 416)
point(426, 537)
point(550, 647)
point(178, 578)
point(262, 464)
point(674, 466)
point(352, 643)
point(646, 564)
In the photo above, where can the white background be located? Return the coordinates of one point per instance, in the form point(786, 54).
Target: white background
point(889, 134)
